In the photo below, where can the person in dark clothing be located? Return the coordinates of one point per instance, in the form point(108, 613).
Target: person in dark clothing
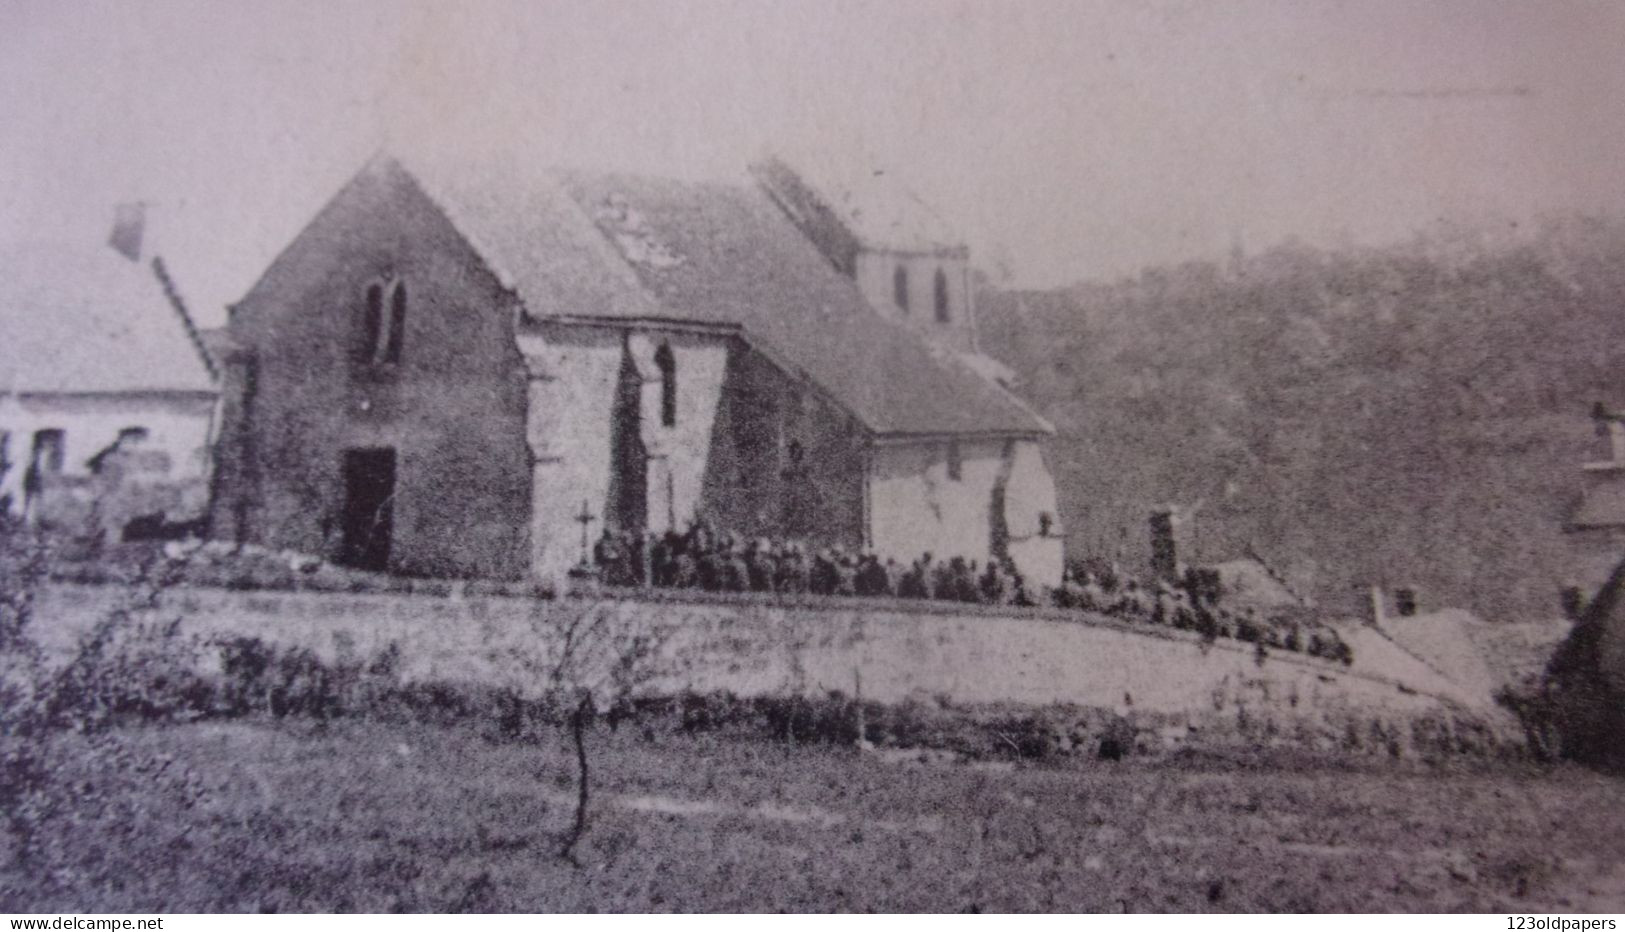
point(823, 572)
point(761, 566)
point(1066, 595)
point(894, 576)
point(661, 556)
point(912, 583)
point(944, 584)
point(1019, 593)
point(607, 555)
point(846, 575)
point(792, 573)
point(872, 580)
point(710, 564)
point(637, 556)
point(961, 582)
point(685, 570)
point(992, 584)
point(735, 569)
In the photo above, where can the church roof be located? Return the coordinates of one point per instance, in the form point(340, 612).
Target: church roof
point(1596, 645)
point(88, 320)
point(624, 247)
point(876, 208)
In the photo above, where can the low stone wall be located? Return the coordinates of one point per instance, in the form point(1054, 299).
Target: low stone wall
point(886, 652)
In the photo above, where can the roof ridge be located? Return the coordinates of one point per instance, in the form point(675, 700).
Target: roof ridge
point(161, 270)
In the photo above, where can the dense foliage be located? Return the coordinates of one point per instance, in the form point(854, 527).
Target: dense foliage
point(1412, 415)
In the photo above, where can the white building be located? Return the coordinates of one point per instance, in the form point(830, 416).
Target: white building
point(106, 393)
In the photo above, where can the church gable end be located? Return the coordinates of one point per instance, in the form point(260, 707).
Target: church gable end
point(379, 329)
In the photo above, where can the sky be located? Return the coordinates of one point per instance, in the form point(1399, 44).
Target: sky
point(1065, 141)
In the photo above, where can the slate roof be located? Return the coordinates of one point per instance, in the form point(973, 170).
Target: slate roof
point(532, 236)
point(1377, 654)
point(1249, 582)
point(83, 320)
point(1596, 645)
point(1444, 641)
point(879, 210)
point(623, 247)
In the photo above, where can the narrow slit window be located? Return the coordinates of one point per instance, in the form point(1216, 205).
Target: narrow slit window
point(372, 318)
point(899, 288)
point(397, 323)
point(666, 362)
point(381, 330)
point(940, 296)
point(955, 464)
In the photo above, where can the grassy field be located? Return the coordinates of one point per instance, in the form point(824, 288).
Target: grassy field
point(371, 816)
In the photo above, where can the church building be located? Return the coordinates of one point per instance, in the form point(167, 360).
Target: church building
point(458, 370)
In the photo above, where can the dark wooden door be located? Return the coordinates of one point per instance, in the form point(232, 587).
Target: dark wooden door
point(369, 512)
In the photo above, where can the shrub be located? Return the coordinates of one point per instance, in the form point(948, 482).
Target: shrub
point(61, 766)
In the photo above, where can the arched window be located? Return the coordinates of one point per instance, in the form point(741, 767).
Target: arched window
point(372, 318)
point(940, 296)
point(899, 287)
point(397, 323)
point(666, 362)
point(379, 337)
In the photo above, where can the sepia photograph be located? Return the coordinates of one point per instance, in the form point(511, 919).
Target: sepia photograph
point(812, 456)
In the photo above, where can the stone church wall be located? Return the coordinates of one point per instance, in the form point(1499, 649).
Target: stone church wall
point(784, 461)
point(453, 408)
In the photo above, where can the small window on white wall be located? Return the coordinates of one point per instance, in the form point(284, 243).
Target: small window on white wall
point(955, 465)
point(666, 362)
point(899, 288)
point(940, 296)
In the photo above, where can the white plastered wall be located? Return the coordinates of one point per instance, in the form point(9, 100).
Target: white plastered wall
point(1029, 496)
point(915, 508)
point(575, 376)
point(874, 275)
point(178, 424)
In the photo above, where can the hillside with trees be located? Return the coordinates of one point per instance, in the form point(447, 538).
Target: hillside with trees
point(1407, 415)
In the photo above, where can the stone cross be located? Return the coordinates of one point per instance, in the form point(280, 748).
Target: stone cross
point(586, 517)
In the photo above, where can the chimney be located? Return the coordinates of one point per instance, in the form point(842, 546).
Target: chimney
point(1406, 602)
point(129, 224)
point(1610, 424)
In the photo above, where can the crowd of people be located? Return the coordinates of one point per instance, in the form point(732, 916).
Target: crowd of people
point(703, 558)
point(720, 562)
point(1195, 603)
